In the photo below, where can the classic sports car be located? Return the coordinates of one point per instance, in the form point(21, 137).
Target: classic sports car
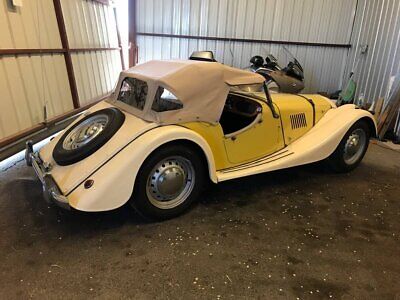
point(171, 125)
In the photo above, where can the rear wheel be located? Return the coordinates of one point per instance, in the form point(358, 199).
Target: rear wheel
point(351, 149)
point(168, 182)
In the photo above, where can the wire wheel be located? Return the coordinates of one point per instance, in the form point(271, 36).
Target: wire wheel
point(85, 132)
point(170, 182)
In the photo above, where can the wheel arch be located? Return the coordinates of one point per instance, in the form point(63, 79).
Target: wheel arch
point(173, 134)
point(193, 145)
point(371, 125)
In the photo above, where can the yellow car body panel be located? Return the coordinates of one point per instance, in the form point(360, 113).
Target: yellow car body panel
point(261, 138)
point(296, 115)
point(267, 134)
point(214, 136)
point(322, 105)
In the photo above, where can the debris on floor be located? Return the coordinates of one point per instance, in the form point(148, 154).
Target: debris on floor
point(302, 233)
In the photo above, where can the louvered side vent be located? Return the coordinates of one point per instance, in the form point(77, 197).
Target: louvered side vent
point(298, 120)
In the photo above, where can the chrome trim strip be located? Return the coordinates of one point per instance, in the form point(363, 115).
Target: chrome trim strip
point(259, 162)
point(264, 158)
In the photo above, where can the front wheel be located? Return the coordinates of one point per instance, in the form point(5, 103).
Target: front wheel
point(168, 182)
point(351, 149)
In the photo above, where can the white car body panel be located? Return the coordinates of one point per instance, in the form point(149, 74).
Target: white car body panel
point(114, 181)
point(316, 145)
point(68, 177)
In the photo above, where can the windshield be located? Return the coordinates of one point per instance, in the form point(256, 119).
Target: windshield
point(289, 55)
point(291, 58)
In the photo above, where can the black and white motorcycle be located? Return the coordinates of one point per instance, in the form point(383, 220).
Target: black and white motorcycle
point(289, 79)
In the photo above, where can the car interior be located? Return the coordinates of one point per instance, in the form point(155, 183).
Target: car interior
point(239, 112)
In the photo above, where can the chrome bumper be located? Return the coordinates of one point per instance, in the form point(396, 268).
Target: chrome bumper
point(50, 189)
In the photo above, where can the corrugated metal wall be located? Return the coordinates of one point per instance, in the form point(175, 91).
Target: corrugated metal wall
point(319, 21)
point(92, 25)
point(96, 73)
point(27, 82)
point(378, 26)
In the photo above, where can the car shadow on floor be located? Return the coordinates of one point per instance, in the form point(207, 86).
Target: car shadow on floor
point(28, 200)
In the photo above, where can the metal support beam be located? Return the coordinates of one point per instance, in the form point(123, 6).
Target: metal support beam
point(67, 53)
point(132, 33)
point(74, 50)
point(4, 52)
point(119, 39)
point(10, 52)
point(223, 39)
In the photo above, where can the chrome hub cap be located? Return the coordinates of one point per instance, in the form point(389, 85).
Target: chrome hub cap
point(170, 182)
point(85, 132)
point(355, 146)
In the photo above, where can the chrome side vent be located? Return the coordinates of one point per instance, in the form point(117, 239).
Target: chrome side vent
point(298, 120)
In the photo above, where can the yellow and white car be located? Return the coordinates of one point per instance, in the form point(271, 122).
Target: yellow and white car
point(171, 125)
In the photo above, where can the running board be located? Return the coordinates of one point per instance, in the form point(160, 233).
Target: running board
point(260, 165)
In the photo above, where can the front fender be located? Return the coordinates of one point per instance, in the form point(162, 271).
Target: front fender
point(322, 140)
point(114, 181)
point(316, 145)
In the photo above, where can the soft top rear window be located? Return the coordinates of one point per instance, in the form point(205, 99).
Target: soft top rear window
point(133, 92)
point(164, 100)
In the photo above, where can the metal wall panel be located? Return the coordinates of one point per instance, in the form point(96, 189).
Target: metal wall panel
point(32, 26)
point(89, 24)
point(27, 84)
point(30, 82)
point(318, 21)
point(323, 67)
point(96, 73)
point(327, 21)
point(377, 25)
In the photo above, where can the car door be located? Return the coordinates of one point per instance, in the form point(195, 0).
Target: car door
point(262, 137)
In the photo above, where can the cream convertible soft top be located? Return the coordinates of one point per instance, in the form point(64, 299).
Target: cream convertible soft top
point(202, 87)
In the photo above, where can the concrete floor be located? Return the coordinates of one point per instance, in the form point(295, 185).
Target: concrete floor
point(300, 233)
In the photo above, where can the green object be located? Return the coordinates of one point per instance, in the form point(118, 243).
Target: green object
point(347, 96)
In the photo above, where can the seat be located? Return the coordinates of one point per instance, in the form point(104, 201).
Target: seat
point(239, 112)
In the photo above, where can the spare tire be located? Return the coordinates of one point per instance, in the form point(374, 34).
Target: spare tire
point(87, 136)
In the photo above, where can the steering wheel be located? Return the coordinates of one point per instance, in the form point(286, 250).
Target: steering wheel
point(242, 108)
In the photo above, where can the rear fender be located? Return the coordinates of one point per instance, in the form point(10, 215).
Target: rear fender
point(114, 181)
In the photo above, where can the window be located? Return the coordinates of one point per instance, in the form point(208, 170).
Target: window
point(133, 92)
point(239, 112)
point(164, 100)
